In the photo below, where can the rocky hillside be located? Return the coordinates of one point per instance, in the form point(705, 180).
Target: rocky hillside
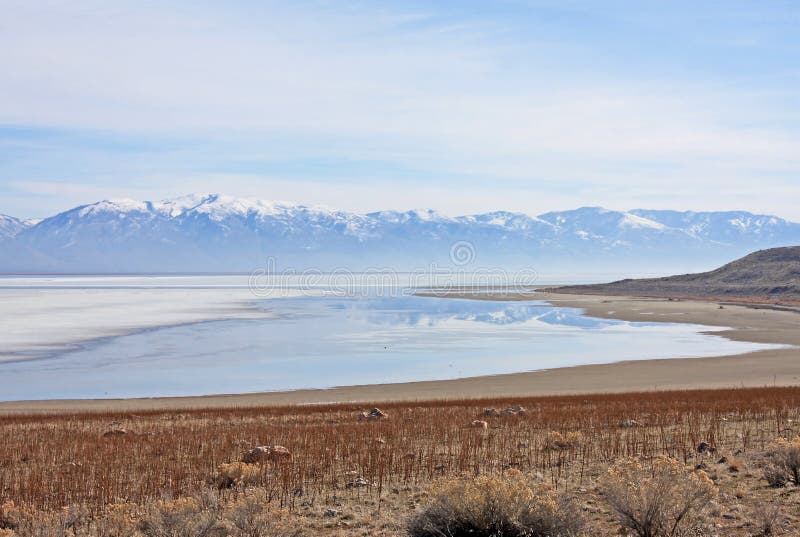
point(770, 275)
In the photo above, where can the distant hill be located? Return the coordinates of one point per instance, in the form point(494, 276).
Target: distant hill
point(217, 233)
point(771, 275)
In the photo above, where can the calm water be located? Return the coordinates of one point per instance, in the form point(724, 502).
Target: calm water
point(318, 342)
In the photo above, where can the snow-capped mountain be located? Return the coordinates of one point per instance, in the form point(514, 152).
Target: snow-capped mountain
point(215, 233)
point(10, 226)
point(730, 227)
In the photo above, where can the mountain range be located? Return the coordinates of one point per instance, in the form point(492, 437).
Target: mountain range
point(215, 233)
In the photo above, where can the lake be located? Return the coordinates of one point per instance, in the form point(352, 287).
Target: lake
point(324, 340)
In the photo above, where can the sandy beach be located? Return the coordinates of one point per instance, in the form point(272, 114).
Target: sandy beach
point(779, 367)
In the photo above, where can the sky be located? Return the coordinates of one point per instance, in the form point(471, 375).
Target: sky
point(462, 106)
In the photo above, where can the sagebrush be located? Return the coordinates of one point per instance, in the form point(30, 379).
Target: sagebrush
point(658, 498)
point(509, 505)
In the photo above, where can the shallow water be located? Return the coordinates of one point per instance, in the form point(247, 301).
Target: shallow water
point(324, 341)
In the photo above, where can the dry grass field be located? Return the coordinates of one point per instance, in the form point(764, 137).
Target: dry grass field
point(168, 473)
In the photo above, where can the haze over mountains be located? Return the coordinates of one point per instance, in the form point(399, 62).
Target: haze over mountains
point(215, 233)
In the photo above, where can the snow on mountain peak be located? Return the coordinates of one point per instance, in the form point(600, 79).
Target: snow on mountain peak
point(218, 232)
point(118, 205)
point(219, 207)
point(177, 206)
point(418, 215)
point(10, 226)
point(634, 221)
point(507, 220)
point(428, 215)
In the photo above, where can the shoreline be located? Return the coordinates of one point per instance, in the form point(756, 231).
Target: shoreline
point(773, 367)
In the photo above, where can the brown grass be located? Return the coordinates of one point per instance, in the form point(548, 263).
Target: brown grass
point(51, 461)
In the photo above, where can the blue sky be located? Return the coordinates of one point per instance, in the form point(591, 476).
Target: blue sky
point(462, 106)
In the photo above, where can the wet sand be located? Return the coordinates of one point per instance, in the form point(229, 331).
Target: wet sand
point(779, 367)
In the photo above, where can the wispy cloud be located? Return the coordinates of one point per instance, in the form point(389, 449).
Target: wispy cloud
point(534, 103)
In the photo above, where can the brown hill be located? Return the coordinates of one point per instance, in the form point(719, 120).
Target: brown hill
point(767, 275)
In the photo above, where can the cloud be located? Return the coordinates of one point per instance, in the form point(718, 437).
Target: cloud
point(457, 95)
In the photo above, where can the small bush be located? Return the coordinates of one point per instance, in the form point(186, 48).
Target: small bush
point(184, 517)
point(768, 518)
point(783, 463)
point(251, 516)
point(25, 521)
point(735, 465)
point(665, 501)
point(237, 473)
point(775, 476)
point(506, 506)
point(556, 441)
point(10, 515)
point(118, 520)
